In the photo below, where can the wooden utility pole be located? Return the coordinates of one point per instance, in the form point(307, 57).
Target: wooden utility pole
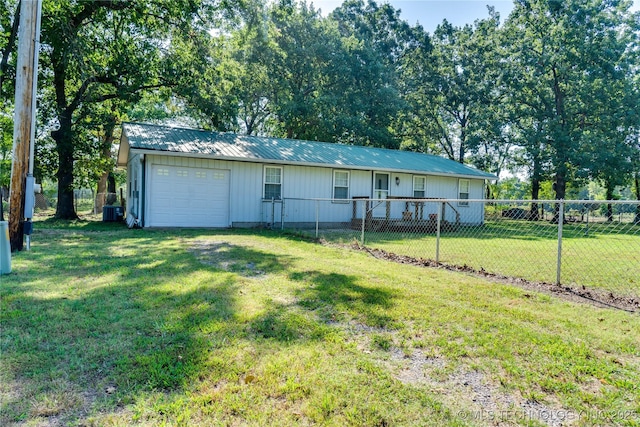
point(24, 118)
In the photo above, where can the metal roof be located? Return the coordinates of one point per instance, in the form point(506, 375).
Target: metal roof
point(230, 146)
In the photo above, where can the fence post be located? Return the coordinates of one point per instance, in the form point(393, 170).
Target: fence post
point(560, 224)
point(282, 214)
point(586, 230)
point(364, 216)
point(317, 216)
point(273, 213)
point(438, 226)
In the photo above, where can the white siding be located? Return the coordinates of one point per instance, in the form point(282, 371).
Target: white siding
point(301, 182)
point(439, 187)
point(475, 211)
point(447, 188)
point(442, 187)
point(361, 183)
point(404, 189)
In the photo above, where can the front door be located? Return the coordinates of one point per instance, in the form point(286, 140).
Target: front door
point(380, 192)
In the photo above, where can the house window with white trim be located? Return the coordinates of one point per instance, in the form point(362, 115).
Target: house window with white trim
point(340, 184)
point(272, 182)
point(463, 191)
point(419, 186)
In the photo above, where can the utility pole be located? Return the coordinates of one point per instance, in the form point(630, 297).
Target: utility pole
point(21, 199)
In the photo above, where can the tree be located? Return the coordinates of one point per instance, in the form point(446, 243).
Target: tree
point(299, 75)
point(531, 153)
point(454, 89)
point(306, 63)
point(276, 76)
point(567, 56)
point(380, 48)
point(9, 19)
point(252, 49)
point(456, 93)
point(6, 142)
point(492, 133)
point(101, 51)
point(209, 89)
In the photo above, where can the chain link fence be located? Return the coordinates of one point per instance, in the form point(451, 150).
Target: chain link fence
point(596, 245)
point(89, 202)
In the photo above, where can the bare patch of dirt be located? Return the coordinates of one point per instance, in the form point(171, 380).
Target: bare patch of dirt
point(483, 400)
point(416, 366)
point(360, 333)
point(217, 254)
point(477, 396)
point(596, 297)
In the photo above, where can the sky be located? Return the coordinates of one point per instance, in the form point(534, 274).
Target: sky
point(430, 13)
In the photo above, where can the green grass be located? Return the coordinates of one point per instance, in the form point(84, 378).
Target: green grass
point(107, 326)
point(604, 256)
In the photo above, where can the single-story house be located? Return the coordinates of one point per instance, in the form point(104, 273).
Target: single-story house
point(192, 178)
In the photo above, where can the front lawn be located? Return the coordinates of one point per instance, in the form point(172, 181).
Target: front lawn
point(599, 256)
point(107, 326)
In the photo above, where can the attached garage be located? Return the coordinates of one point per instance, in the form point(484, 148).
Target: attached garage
point(188, 197)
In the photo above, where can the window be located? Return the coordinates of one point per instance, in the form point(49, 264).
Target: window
point(381, 186)
point(182, 173)
point(463, 191)
point(340, 185)
point(201, 175)
point(163, 172)
point(419, 186)
point(272, 182)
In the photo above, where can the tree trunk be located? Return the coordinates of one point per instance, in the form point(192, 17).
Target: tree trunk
point(463, 137)
point(609, 196)
point(9, 47)
point(637, 182)
point(534, 215)
point(102, 190)
point(64, 145)
point(536, 178)
point(112, 197)
point(111, 184)
point(562, 144)
point(560, 187)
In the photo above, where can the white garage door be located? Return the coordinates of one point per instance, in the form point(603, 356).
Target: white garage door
point(188, 197)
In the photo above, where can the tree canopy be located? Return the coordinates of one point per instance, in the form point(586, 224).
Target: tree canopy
point(550, 90)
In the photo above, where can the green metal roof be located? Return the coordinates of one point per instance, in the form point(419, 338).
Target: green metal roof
point(230, 146)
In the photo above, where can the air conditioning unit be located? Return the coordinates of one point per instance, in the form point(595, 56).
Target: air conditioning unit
point(112, 213)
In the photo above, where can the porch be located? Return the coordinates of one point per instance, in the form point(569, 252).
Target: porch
point(412, 220)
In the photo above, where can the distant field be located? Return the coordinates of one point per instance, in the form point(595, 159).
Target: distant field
point(605, 256)
point(107, 326)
